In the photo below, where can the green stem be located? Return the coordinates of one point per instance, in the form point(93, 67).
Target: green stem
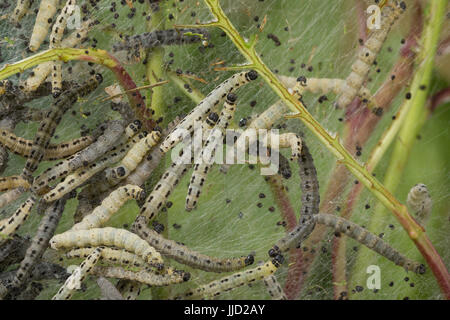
point(415, 231)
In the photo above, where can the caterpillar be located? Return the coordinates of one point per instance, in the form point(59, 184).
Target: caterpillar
point(130, 290)
point(419, 200)
point(22, 147)
point(215, 288)
point(368, 53)
point(10, 196)
point(10, 225)
point(109, 206)
point(274, 288)
point(13, 250)
point(161, 38)
point(41, 271)
point(39, 243)
point(202, 166)
point(109, 291)
point(325, 86)
point(134, 157)
point(108, 236)
point(53, 117)
point(145, 277)
point(112, 135)
point(156, 199)
point(83, 174)
point(205, 106)
point(40, 73)
point(74, 281)
point(20, 10)
point(113, 255)
point(310, 204)
point(55, 42)
point(47, 10)
point(184, 255)
point(264, 121)
point(341, 225)
point(13, 182)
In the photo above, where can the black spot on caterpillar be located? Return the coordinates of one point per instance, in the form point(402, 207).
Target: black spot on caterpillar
point(184, 255)
point(83, 174)
point(10, 225)
point(145, 277)
point(13, 182)
point(22, 147)
point(47, 10)
point(39, 243)
point(119, 238)
point(53, 117)
point(235, 280)
point(74, 281)
point(361, 235)
point(109, 206)
point(274, 288)
point(111, 136)
point(368, 53)
point(158, 197)
point(203, 165)
point(206, 105)
point(419, 200)
point(160, 38)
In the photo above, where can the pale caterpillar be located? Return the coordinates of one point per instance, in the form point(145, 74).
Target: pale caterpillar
point(325, 86)
point(22, 147)
point(202, 167)
point(10, 196)
point(39, 243)
point(13, 182)
point(76, 278)
point(206, 105)
point(264, 121)
point(112, 255)
point(419, 200)
point(145, 277)
point(47, 10)
point(368, 53)
point(161, 38)
point(53, 117)
point(10, 225)
point(341, 225)
point(113, 134)
point(108, 236)
point(40, 73)
point(274, 288)
point(55, 42)
point(170, 178)
point(184, 255)
point(109, 291)
point(81, 175)
point(134, 157)
point(234, 281)
point(109, 206)
point(20, 10)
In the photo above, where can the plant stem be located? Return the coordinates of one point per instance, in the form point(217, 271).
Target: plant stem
point(101, 57)
point(415, 231)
